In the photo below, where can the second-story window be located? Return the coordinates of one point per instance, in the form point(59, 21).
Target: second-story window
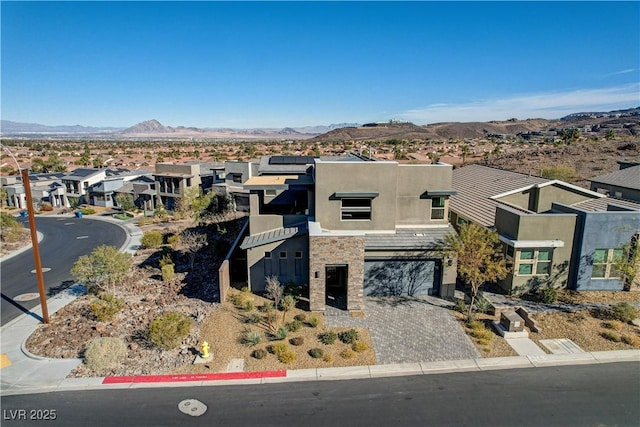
point(437, 208)
point(356, 209)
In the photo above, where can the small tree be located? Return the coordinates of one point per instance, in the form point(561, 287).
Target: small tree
point(105, 266)
point(274, 290)
point(288, 303)
point(192, 242)
point(628, 263)
point(480, 258)
point(125, 201)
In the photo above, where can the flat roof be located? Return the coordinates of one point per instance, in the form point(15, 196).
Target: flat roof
point(278, 180)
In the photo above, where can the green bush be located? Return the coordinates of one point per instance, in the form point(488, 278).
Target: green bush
point(548, 295)
point(313, 322)
point(624, 312)
point(168, 273)
point(347, 353)
point(248, 306)
point(287, 357)
point(300, 317)
point(328, 338)
point(482, 305)
point(278, 348)
point(281, 333)
point(174, 240)
point(251, 338)
point(11, 228)
point(87, 211)
point(166, 259)
point(611, 336)
point(348, 337)
point(294, 326)
point(259, 353)
point(7, 220)
point(151, 239)
point(169, 330)
point(105, 353)
point(105, 307)
point(297, 341)
point(359, 347)
point(461, 306)
point(316, 353)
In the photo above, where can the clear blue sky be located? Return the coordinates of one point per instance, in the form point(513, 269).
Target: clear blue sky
point(272, 64)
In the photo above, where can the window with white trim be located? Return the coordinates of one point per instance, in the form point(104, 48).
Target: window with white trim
point(532, 261)
point(356, 209)
point(437, 207)
point(604, 263)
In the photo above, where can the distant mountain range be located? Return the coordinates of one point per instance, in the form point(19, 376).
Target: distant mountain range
point(333, 132)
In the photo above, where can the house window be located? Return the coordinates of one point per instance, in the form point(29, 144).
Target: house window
point(509, 251)
point(267, 255)
point(461, 221)
point(236, 177)
point(298, 254)
point(533, 262)
point(283, 263)
point(604, 261)
point(356, 209)
point(188, 182)
point(298, 263)
point(437, 208)
point(270, 192)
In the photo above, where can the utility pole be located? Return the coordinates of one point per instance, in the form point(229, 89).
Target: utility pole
point(36, 248)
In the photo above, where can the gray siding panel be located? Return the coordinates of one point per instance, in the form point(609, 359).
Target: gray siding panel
point(409, 277)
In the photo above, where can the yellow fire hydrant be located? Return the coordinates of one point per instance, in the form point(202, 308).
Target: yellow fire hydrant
point(205, 350)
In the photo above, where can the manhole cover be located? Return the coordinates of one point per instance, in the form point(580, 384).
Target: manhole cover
point(192, 407)
point(26, 297)
point(44, 270)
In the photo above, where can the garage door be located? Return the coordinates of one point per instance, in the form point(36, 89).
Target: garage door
point(412, 277)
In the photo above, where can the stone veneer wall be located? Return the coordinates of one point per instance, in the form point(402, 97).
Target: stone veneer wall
point(336, 250)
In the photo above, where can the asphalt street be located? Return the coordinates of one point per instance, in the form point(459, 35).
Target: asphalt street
point(65, 239)
point(579, 395)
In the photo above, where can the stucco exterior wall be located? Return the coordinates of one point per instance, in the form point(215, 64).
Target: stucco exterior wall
point(616, 192)
point(413, 208)
point(550, 194)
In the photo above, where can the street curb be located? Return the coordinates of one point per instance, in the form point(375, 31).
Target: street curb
point(336, 374)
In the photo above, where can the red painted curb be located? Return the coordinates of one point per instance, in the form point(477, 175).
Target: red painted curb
point(219, 376)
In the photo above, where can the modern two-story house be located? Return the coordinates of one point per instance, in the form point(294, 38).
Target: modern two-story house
point(349, 226)
point(554, 233)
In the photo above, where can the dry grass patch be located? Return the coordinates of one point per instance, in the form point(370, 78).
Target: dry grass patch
point(225, 329)
point(488, 343)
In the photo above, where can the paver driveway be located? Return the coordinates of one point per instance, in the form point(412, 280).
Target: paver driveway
point(409, 329)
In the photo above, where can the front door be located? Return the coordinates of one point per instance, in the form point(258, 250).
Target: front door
point(336, 285)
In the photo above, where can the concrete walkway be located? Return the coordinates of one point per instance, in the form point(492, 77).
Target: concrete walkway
point(525, 347)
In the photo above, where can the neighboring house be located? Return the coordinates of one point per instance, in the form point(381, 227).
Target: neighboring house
point(78, 181)
point(346, 227)
point(103, 193)
point(45, 187)
point(143, 191)
point(554, 233)
point(621, 184)
point(231, 181)
point(172, 180)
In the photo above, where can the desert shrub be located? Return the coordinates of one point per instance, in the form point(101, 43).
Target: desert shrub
point(46, 207)
point(359, 346)
point(482, 305)
point(613, 324)
point(623, 312)
point(475, 324)
point(347, 353)
point(11, 228)
point(281, 333)
point(253, 318)
point(328, 338)
point(484, 341)
point(245, 290)
point(631, 340)
point(259, 353)
point(461, 306)
point(165, 259)
point(316, 353)
point(151, 239)
point(328, 358)
point(265, 307)
point(296, 341)
point(278, 348)
point(168, 273)
point(240, 300)
point(168, 330)
point(481, 333)
point(611, 336)
point(174, 240)
point(251, 338)
point(87, 211)
point(105, 307)
point(294, 326)
point(548, 295)
point(300, 317)
point(293, 290)
point(105, 353)
point(565, 173)
point(288, 356)
point(348, 337)
point(313, 322)
point(248, 305)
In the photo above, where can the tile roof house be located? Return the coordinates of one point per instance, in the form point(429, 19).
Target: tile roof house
point(554, 233)
point(346, 227)
point(621, 184)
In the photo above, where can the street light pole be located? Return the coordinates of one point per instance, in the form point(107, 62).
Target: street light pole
point(36, 247)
